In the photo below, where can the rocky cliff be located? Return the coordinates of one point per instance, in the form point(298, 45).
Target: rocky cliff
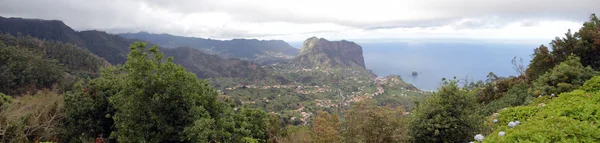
point(319, 52)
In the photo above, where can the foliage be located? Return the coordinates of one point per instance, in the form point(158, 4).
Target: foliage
point(150, 99)
point(22, 70)
point(447, 116)
point(297, 134)
point(32, 117)
point(566, 76)
point(367, 122)
point(592, 85)
point(274, 129)
point(542, 61)
point(494, 88)
point(159, 99)
point(28, 64)
point(515, 96)
point(326, 128)
point(259, 51)
point(571, 117)
point(584, 44)
point(89, 113)
point(5, 100)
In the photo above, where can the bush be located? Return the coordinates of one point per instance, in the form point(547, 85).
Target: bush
point(447, 116)
point(367, 122)
point(37, 117)
point(571, 117)
point(5, 99)
point(592, 84)
point(567, 76)
point(516, 95)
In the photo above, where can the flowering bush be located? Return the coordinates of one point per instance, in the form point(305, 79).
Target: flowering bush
point(571, 117)
point(501, 133)
point(479, 137)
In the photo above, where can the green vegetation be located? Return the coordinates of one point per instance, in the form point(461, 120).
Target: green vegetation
point(569, 72)
point(28, 63)
point(568, 75)
point(571, 117)
point(447, 116)
point(32, 117)
point(145, 97)
point(366, 122)
point(259, 51)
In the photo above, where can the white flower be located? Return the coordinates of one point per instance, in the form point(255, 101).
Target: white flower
point(479, 137)
point(517, 122)
point(496, 114)
point(512, 124)
point(501, 133)
point(495, 121)
point(471, 142)
point(552, 95)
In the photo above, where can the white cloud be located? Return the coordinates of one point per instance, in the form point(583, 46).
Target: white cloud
point(296, 20)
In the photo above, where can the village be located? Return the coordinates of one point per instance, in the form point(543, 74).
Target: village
point(327, 95)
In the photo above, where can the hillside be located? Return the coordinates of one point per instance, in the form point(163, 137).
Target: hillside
point(319, 52)
point(28, 63)
point(260, 51)
point(114, 48)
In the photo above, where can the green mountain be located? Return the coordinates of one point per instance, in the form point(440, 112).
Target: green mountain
point(27, 64)
point(114, 48)
point(319, 52)
point(260, 51)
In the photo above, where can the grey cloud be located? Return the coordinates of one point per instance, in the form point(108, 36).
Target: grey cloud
point(123, 15)
point(505, 10)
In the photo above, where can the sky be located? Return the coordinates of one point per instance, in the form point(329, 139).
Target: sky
point(295, 20)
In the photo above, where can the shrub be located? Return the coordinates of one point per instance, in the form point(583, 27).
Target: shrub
point(567, 76)
point(447, 116)
point(571, 117)
point(28, 118)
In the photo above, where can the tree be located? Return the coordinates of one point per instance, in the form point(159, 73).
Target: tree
point(566, 76)
point(588, 46)
point(159, 100)
point(89, 113)
point(297, 134)
point(22, 71)
point(274, 128)
point(326, 128)
point(541, 62)
point(367, 122)
point(446, 116)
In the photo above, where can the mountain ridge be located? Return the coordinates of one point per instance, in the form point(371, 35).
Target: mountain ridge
point(114, 48)
point(260, 51)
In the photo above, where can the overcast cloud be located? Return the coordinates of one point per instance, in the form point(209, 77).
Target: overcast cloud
point(296, 20)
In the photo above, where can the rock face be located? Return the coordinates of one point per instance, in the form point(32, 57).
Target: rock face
point(319, 52)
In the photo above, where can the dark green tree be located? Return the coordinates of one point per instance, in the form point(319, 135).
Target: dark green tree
point(566, 76)
point(447, 116)
point(542, 61)
point(159, 99)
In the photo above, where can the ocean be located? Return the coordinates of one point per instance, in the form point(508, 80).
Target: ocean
point(436, 60)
